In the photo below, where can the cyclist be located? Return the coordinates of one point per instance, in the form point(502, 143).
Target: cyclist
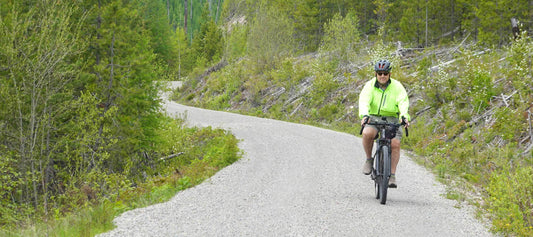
point(383, 97)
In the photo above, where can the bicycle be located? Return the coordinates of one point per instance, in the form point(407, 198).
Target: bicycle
point(381, 171)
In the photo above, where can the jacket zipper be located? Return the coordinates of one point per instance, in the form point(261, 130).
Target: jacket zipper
point(383, 99)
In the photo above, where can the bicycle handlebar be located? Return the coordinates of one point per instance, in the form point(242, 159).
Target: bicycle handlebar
point(386, 124)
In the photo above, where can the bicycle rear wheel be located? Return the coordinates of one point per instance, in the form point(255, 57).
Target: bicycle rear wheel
point(385, 174)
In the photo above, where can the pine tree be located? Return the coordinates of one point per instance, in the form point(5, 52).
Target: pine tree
point(306, 24)
point(412, 22)
point(495, 19)
point(208, 44)
point(125, 74)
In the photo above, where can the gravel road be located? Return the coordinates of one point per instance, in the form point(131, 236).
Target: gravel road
point(298, 180)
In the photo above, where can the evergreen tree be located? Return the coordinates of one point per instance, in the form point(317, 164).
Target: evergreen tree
point(495, 19)
point(366, 15)
point(156, 19)
point(306, 24)
point(124, 78)
point(412, 22)
point(208, 44)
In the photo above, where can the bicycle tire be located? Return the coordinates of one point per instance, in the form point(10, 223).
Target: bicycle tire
point(376, 187)
point(377, 173)
point(385, 174)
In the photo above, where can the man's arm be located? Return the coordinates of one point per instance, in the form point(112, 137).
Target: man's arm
point(364, 100)
point(403, 103)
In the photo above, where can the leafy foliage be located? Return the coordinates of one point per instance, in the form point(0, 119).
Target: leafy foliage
point(509, 196)
point(270, 38)
point(341, 36)
point(236, 41)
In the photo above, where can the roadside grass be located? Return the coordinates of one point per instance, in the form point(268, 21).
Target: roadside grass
point(201, 153)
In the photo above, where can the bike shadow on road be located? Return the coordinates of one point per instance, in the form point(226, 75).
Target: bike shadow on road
point(407, 202)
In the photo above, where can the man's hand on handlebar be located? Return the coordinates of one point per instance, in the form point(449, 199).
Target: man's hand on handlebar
point(405, 122)
point(364, 120)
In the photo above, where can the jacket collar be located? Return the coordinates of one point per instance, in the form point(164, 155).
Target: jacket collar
point(376, 83)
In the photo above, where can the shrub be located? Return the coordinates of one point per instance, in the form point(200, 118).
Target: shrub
point(510, 201)
point(341, 36)
point(328, 112)
point(9, 181)
point(509, 124)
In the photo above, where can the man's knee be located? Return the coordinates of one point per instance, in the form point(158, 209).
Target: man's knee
point(369, 133)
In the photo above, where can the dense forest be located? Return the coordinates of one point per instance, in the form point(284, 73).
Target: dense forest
point(81, 121)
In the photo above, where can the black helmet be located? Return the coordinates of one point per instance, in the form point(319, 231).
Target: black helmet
point(382, 65)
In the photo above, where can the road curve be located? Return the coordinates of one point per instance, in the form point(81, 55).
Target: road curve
point(298, 180)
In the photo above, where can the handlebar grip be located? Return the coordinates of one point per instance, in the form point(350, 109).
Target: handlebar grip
point(404, 123)
point(366, 118)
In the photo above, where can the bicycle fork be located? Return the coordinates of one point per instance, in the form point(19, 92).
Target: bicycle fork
point(376, 171)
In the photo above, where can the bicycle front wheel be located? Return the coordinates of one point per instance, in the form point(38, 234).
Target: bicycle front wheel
point(385, 174)
point(376, 173)
point(377, 187)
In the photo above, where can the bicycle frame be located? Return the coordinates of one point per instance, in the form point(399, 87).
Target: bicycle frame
point(382, 157)
point(382, 164)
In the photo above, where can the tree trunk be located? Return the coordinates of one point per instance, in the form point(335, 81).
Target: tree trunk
point(109, 99)
point(98, 36)
point(168, 11)
point(426, 40)
point(185, 17)
point(515, 28)
point(191, 9)
point(453, 18)
point(218, 10)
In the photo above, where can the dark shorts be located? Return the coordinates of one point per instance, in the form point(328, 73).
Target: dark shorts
point(390, 120)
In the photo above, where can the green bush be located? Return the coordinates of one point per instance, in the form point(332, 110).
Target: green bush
point(510, 200)
point(480, 88)
point(328, 112)
point(323, 85)
point(510, 124)
point(9, 181)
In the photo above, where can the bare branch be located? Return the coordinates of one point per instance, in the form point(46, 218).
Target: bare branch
point(171, 156)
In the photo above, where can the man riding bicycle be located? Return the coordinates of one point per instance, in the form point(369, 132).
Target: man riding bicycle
point(383, 97)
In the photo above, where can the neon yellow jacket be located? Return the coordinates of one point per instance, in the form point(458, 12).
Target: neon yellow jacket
point(392, 101)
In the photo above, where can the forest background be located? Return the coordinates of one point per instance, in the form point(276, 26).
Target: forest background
point(81, 123)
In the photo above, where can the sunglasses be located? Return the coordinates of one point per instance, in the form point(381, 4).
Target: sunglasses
point(383, 73)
